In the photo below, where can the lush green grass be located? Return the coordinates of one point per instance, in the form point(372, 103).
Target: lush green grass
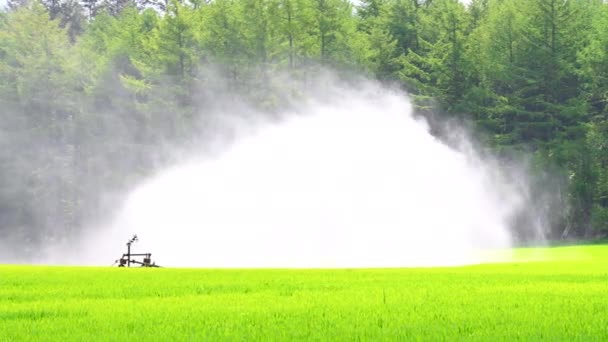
point(561, 295)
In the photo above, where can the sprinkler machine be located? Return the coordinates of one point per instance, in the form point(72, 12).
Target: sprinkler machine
point(130, 258)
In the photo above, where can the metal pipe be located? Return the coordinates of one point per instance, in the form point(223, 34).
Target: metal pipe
point(129, 254)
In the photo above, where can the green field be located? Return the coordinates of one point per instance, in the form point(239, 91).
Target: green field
point(549, 293)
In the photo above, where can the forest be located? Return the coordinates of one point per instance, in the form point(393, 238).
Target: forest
point(92, 90)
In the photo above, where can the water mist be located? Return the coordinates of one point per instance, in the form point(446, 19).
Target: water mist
point(355, 181)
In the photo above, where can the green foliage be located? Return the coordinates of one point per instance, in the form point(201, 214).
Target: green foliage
point(38, 78)
point(530, 74)
point(593, 59)
point(558, 297)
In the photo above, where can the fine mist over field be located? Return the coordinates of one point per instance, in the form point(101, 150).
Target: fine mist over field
point(347, 177)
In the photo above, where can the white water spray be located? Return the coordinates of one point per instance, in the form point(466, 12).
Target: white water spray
point(352, 182)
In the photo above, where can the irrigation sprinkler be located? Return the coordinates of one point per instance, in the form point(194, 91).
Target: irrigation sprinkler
point(130, 258)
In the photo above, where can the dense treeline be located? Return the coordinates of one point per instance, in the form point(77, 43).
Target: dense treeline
point(88, 89)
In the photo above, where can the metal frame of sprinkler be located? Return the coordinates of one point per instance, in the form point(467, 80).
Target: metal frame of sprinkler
point(128, 258)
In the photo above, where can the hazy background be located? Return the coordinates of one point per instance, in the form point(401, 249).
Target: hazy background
point(97, 98)
point(343, 176)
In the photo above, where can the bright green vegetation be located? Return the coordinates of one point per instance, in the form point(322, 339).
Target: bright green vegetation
point(560, 298)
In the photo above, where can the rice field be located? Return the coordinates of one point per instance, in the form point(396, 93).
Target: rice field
point(545, 293)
